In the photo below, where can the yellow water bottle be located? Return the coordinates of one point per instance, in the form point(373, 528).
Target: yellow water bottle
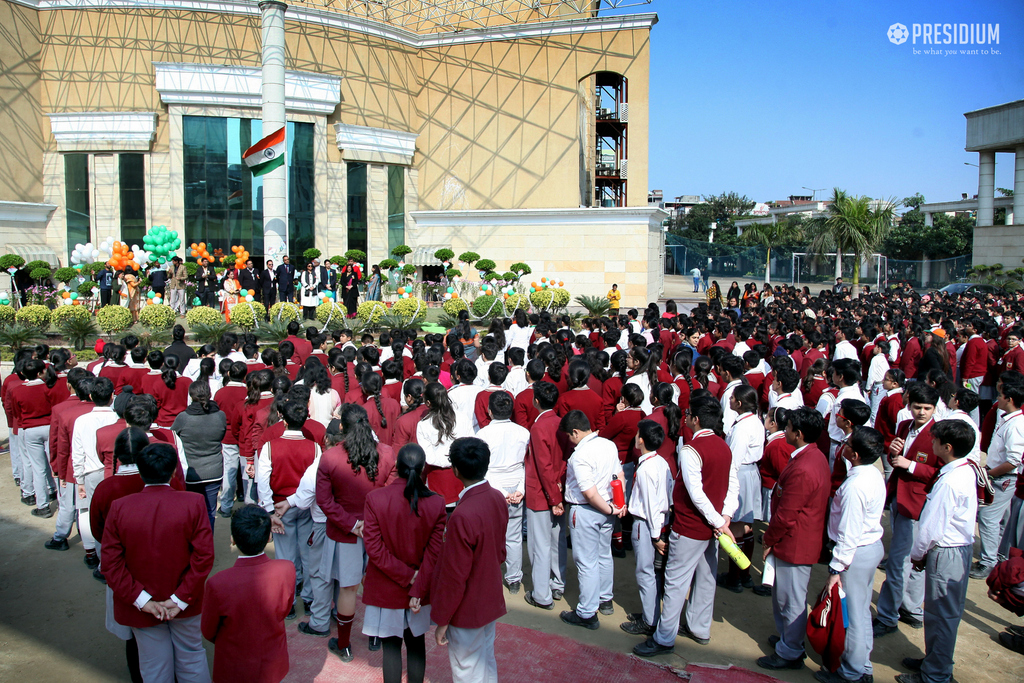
point(733, 551)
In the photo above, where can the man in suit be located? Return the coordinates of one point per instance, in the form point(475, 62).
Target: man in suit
point(323, 272)
point(206, 288)
point(157, 553)
point(795, 535)
point(177, 278)
point(249, 634)
point(467, 596)
point(268, 279)
point(286, 280)
point(248, 278)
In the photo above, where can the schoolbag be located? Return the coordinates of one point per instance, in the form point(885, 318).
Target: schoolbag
point(984, 484)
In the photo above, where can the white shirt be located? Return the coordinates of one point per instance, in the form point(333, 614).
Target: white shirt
point(84, 458)
point(894, 348)
point(690, 472)
point(790, 401)
point(265, 465)
point(482, 366)
point(746, 440)
point(592, 464)
point(651, 497)
point(728, 414)
point(834, 432)
point(876, 371)
point(463, 398)
point(855, 519)
point(516, 380)
point(1007, 442)
point(518, 337)
point(305, 495)
point(949, 513)
point(844, 349)
point(825, 403)
point(436, 448)
point(508, 442)
point(740, 349)
point(975, 454)
point(643, 381)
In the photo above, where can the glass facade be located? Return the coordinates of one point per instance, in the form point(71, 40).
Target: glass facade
point(132, 181)
point(357, 238)
point(396, 207)
point(76, 199)
point(224, 202)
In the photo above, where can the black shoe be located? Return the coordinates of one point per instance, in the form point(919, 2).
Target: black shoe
point(773, 641)
point(684, 631)
point(570, 617)
point(226, 514)
point(98, 575)
point(773, 661)
point(635, 616)
point(606, 608)
point(45, 512)
point(54, 544)
point(307, 606)
point(344, 653)
point(620, 552)
point(747, 582)
point(53, 496)
point(910, 620)
point(883, 564)
point(291, 613)
point(91, 560)
point(649, 648)
point(1015, 630)
point(374, 644)
point(298, 589)
point(763, 591)
point(912, 663)
point(556, 594)
point(513, 588)
point(879, 629)
point(981, 572)
point(1012, 641)
point(28, 500)
point(530, 601)
point(725, 582)
point(304, 627)
point(637, 627)
point(826, 676)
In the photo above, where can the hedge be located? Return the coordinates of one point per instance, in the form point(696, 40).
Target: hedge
point(203, 315)
point(34, 316)
point(247, 315)
point(157, 316)
point(371, 311)
point(285, 311)
point(114, 319)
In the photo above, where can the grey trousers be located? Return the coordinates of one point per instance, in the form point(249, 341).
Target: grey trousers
point(176, 300)
point(36, 464)
point(172, 651)
point(292, 545)
point(471, 654)
point(514, 543)
point(17, 464)
point(946, 576)
point(1013, 535)
point(789, 606)
point(323, 588)
point(690, 583)
point(592, 551)
point(903, 586)
point(66, 510)
point(992, 519)
point(545, 544)
point(858, 581)
point(229, 452)
point(91, 480)
point(646, 581)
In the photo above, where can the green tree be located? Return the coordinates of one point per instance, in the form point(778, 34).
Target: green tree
point(770, 235)
point(722, 209)
point(853, 227)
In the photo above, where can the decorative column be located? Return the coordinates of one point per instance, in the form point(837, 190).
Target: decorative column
point(1018, 185)
point(275, 185)
point(986, 188)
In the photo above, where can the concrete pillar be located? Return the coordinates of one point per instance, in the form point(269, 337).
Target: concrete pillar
point(275, 185)
point(928, 219)
point(1018, 183)
point(986, 187)
point(925, 270)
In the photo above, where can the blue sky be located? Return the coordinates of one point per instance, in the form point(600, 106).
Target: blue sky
point(766, 98)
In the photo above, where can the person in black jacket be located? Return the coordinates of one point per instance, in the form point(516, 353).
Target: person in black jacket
point(268, 280)
point(286, 280)
point(206, 279)
point(936, 356)
point(248, 278)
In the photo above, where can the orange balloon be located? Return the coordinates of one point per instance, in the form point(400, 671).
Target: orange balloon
point(533, 284)
point(76, 302)
point(543, 279)
point(193, 246)
point(195, 253)
point(561, 284)
point(401, 290)
point(252, 292)
point(202, 245)
point(455, 295)
point(65, 295)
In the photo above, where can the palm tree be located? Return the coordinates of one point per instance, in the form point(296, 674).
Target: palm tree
point(770, 235)
point(853, 227)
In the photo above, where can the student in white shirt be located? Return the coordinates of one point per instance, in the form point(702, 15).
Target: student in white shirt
point(508, 442)
point(463, 394)
point(942, 549)
point(876, 373)
point(785, 388)
point(731, 370)
point(440, 426)
point(518, 335)
point(846, 376)
point(516, 380)
point(644, 367)
point(961, 405)
point(844, 348)
point(855, 526)
point(746, 441)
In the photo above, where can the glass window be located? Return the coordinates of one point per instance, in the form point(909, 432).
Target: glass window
point(357, 205)
point(396, 206)
point(301, 195)
point(76, 199)
point(132, 181)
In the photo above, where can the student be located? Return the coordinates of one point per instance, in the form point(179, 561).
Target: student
point(703, 507)
point(382, 412)
point(746, 441)
point(649, 503)
point(249, 634)
point(545, 510)
point(795, 535)
point(886, 419)
point(230, 398)
point(439, 427)
point(496, 374)
point(786, 389)
point(588, 490)
point(516, 381)
point(777, 452)
point(846, 376)
point(160, 540)
point(463, 393)
point(855, 526)
point(163, 383)
point(730, 369)
point(412, 399)
point(32, 403)
point(961, 405)
point(852, 414)
point(467, 596)
point(580, 396)
point(508, 442)
point(915, 467)
point(87, 466)
point(945, 540)
point(62, 422)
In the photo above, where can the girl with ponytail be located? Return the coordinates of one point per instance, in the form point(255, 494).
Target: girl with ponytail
point(405, 522)
point(644, 365)
point(405, 428)
point(437, 429)
point(383, 411)
point(670, 417)
point(611, 390)
point(681, 376)
point(163, 383)
point(323, 399)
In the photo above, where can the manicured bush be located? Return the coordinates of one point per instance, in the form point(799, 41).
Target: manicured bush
point(247, 314)
point(203, 315)
point(453, 306)
point(33, 265)
point(485, 265)
point(469, 257)
point(35, 316)
point(371, 311)
point(356, 255)
point(487, 306)
point(443, 255)
point(11, 261)
point(40, 273)
point(388, 264)
point(401, 250)
point(65, 275)
point(285, 311)
point(520, 269)
point(114, 319)
point(549, 299)
point(409, 270)
point(332, 314)
point(517, 301)
point(311, 253)
point(411, 310)
point(157, 316)
point(62, 314)
point(85, 289)
point(453, 272)
point(6, 315)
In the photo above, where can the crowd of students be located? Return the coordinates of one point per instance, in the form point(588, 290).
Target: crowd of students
point(420, 466)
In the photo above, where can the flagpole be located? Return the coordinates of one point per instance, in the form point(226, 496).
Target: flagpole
point(275, 186)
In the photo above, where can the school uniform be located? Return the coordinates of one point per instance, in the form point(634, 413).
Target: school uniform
point(247, 421)
point(32, 405)
point(705, 494)
point(516, 380)
point(508, 443)
point(88, 468)
point(586, 400)
point(62, 421)
point(777, 452)
point(621, 430)
point(1006, 447)
point(649, 504)
point(157, 544)
point(482, 404)
point(463, 398)
point(169, 401)
point(18, 465)
point(668, 447)
point(946, 537)
point(835, 434)
point(467, 595)
point(303, 347)
point(885, 419)
point(230, 398)
point(405, 428)
point(438, 472)
point(795, 536)
point(746, 441)
point(390, 411)
point(544, 467)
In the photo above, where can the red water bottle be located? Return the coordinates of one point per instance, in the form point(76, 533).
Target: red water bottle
point(618, 495)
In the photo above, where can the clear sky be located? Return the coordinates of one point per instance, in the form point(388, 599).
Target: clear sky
point(765, 98)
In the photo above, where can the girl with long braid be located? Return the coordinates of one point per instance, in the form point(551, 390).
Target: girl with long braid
point(383, 411)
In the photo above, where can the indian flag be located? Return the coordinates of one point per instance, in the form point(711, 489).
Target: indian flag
point(266, 155)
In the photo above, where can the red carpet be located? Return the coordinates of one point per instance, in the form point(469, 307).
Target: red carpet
point(524, 656)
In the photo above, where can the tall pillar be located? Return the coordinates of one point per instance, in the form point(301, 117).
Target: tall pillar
point(275, 185)
point(1018, 184)
point(928, 219)
point(986, 187)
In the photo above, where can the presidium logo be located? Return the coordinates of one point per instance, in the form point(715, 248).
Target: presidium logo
point(898, 34)
point(947, 34)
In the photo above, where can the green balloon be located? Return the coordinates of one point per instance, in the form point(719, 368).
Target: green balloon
point(163, 260)
point(196, 301)
point(150, 295)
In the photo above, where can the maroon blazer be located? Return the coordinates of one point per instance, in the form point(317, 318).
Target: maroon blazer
point(467, 590)
point(105, 438)
point(62, 424)
point(524, 413)
point(341, 493)
point(667, 450)
point(398, 543)
point(405, 429)
point(311, 429)
point(158, 540)
point(611, 392)
point(910, 490)
point(391, 410)
point(544, 463)
point(244, 617)
point(584, 400)
point(800, 508)
point(230, 399)
point(131, 377)
point(247, 447)
point(303, 348)
point(621, 429)
point(482, 403)
point(885, 421)
point(170, 401)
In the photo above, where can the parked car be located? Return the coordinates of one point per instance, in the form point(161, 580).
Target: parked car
point(968, 288)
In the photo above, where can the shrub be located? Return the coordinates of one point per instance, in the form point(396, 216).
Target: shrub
point(411, 310)
point(229, 260)
point(33, 265)
point(469, 257)
point(157, 316)
point(486, 265)
point(409, 270)
point(114, 319)
point(65, 274)
point(6, 315)
point(285, 311)
point(401, 250)
point(95, 267)
point(517, 301)
point(214, 331)
point(356, 255)
point(62, 314)
point(453, 272)
point(487, 306)
point(388, 264)
point(247, 315)
point(549, 299)
point(443, 255)
point(311, 254)
point(11, 261)
point(492, 276)
point(85, 289)
point(331, 314)
point(520, 269)
point(338, 260)
point(16, 336)
point(39, 273)
point(35, 316)
point(562, 297)
point(453, 306)
point(203, 315)
point(509, 276)
point(78, 329)
point(371, 311)
point(191, 268)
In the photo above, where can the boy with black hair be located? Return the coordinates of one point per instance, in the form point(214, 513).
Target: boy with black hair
point(961, 406)
point(496, 374)
point(249, 635)
point(319, 342)
point(942, 550)
point(730, 368)
point(784, 386)
point(466, 597)
point(62, 423)
point(515, 381)
point(851, 414)
point(846, 376)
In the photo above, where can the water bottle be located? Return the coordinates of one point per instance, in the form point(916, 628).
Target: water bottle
point(618, 494)
point(733, 551)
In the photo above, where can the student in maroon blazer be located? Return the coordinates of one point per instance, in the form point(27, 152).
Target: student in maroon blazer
point(524, 411)
point(622, 427)
point(382, 412)
point(245, 606)
point(667, 414)
point(795, 534)
point(405, 430)
point(164, 384)
point(301, 347)
point(62, 421)
point(467, 594)
point(32, 404)
point(157, 553)
point(497, 373)
point(403, 527)
point(581, 397)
